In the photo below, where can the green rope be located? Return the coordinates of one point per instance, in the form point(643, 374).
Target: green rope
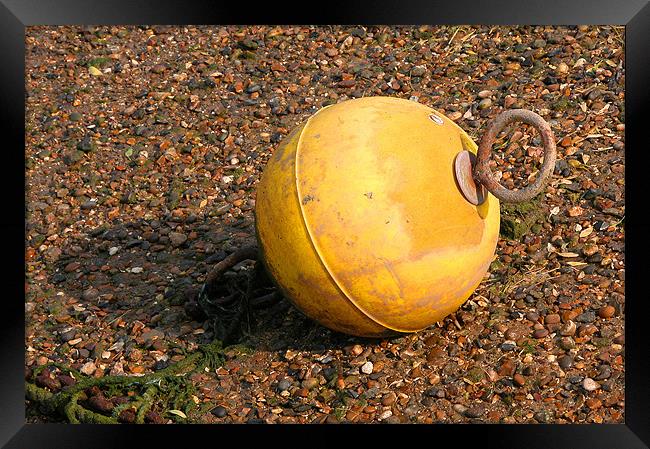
point(147, 402)
point(170, 382)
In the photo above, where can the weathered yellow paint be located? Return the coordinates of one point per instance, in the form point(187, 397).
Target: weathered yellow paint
point(361, 222)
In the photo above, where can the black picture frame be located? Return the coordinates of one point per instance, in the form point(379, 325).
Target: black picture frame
point(15, 15)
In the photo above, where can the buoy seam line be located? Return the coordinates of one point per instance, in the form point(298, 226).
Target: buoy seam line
point(313, 242)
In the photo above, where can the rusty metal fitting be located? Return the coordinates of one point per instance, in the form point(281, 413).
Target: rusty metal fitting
point(483, 174)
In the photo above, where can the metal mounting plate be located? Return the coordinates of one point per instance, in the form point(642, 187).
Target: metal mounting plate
point(473, 192)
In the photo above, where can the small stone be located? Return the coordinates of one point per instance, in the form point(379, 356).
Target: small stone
point(434, 378)
point(418, 70)
point(331, 419)
point(90, 204)
point(86, 145)
point(475, 412)
point(66, 380)
point(532, 316)
point(284, 384)
point(606, 312)
point(543, 416)
point(133, 243)
point(219, 411)
point(575, 211)
point(586, 317)
point(152, 335)
point(75, 116)
point(484, 93)
point(430, 392)
point(129, 110)
point(567, 343)
point(117, 369)
point(519, 379)
point(435, 355)
point(460, 409)
point(539, 43)
point(586, 329)
point(553, 318)
point(388, 398)
point(134, 355)
point(367, 367)
point(72, 157)
point(45, 381)
point(101, 404)
point(562, 68)
point(604, 372)
point(454, 115)
point(158, 68)
point(596, 258)
point(356, 350)
point(568, 329)
point(88, 368)
point(112, 250)
point(565, 362)
point(593, 403)
point(385, 415)
point(90, 294)
point(248, 44)
point(412, 410)
point(590, 384)
point(94, 71)
point(484, 104)
point(540, 333)
point(595, 94)
point(68, 335)
point(310, 383)
point(136, 270)
point(331, 52)
point(507, 368)
point(177, 238)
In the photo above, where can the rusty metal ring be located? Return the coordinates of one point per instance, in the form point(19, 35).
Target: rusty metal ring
point(484, 175)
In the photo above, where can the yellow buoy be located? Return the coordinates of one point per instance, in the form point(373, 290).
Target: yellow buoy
point(361, 219)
